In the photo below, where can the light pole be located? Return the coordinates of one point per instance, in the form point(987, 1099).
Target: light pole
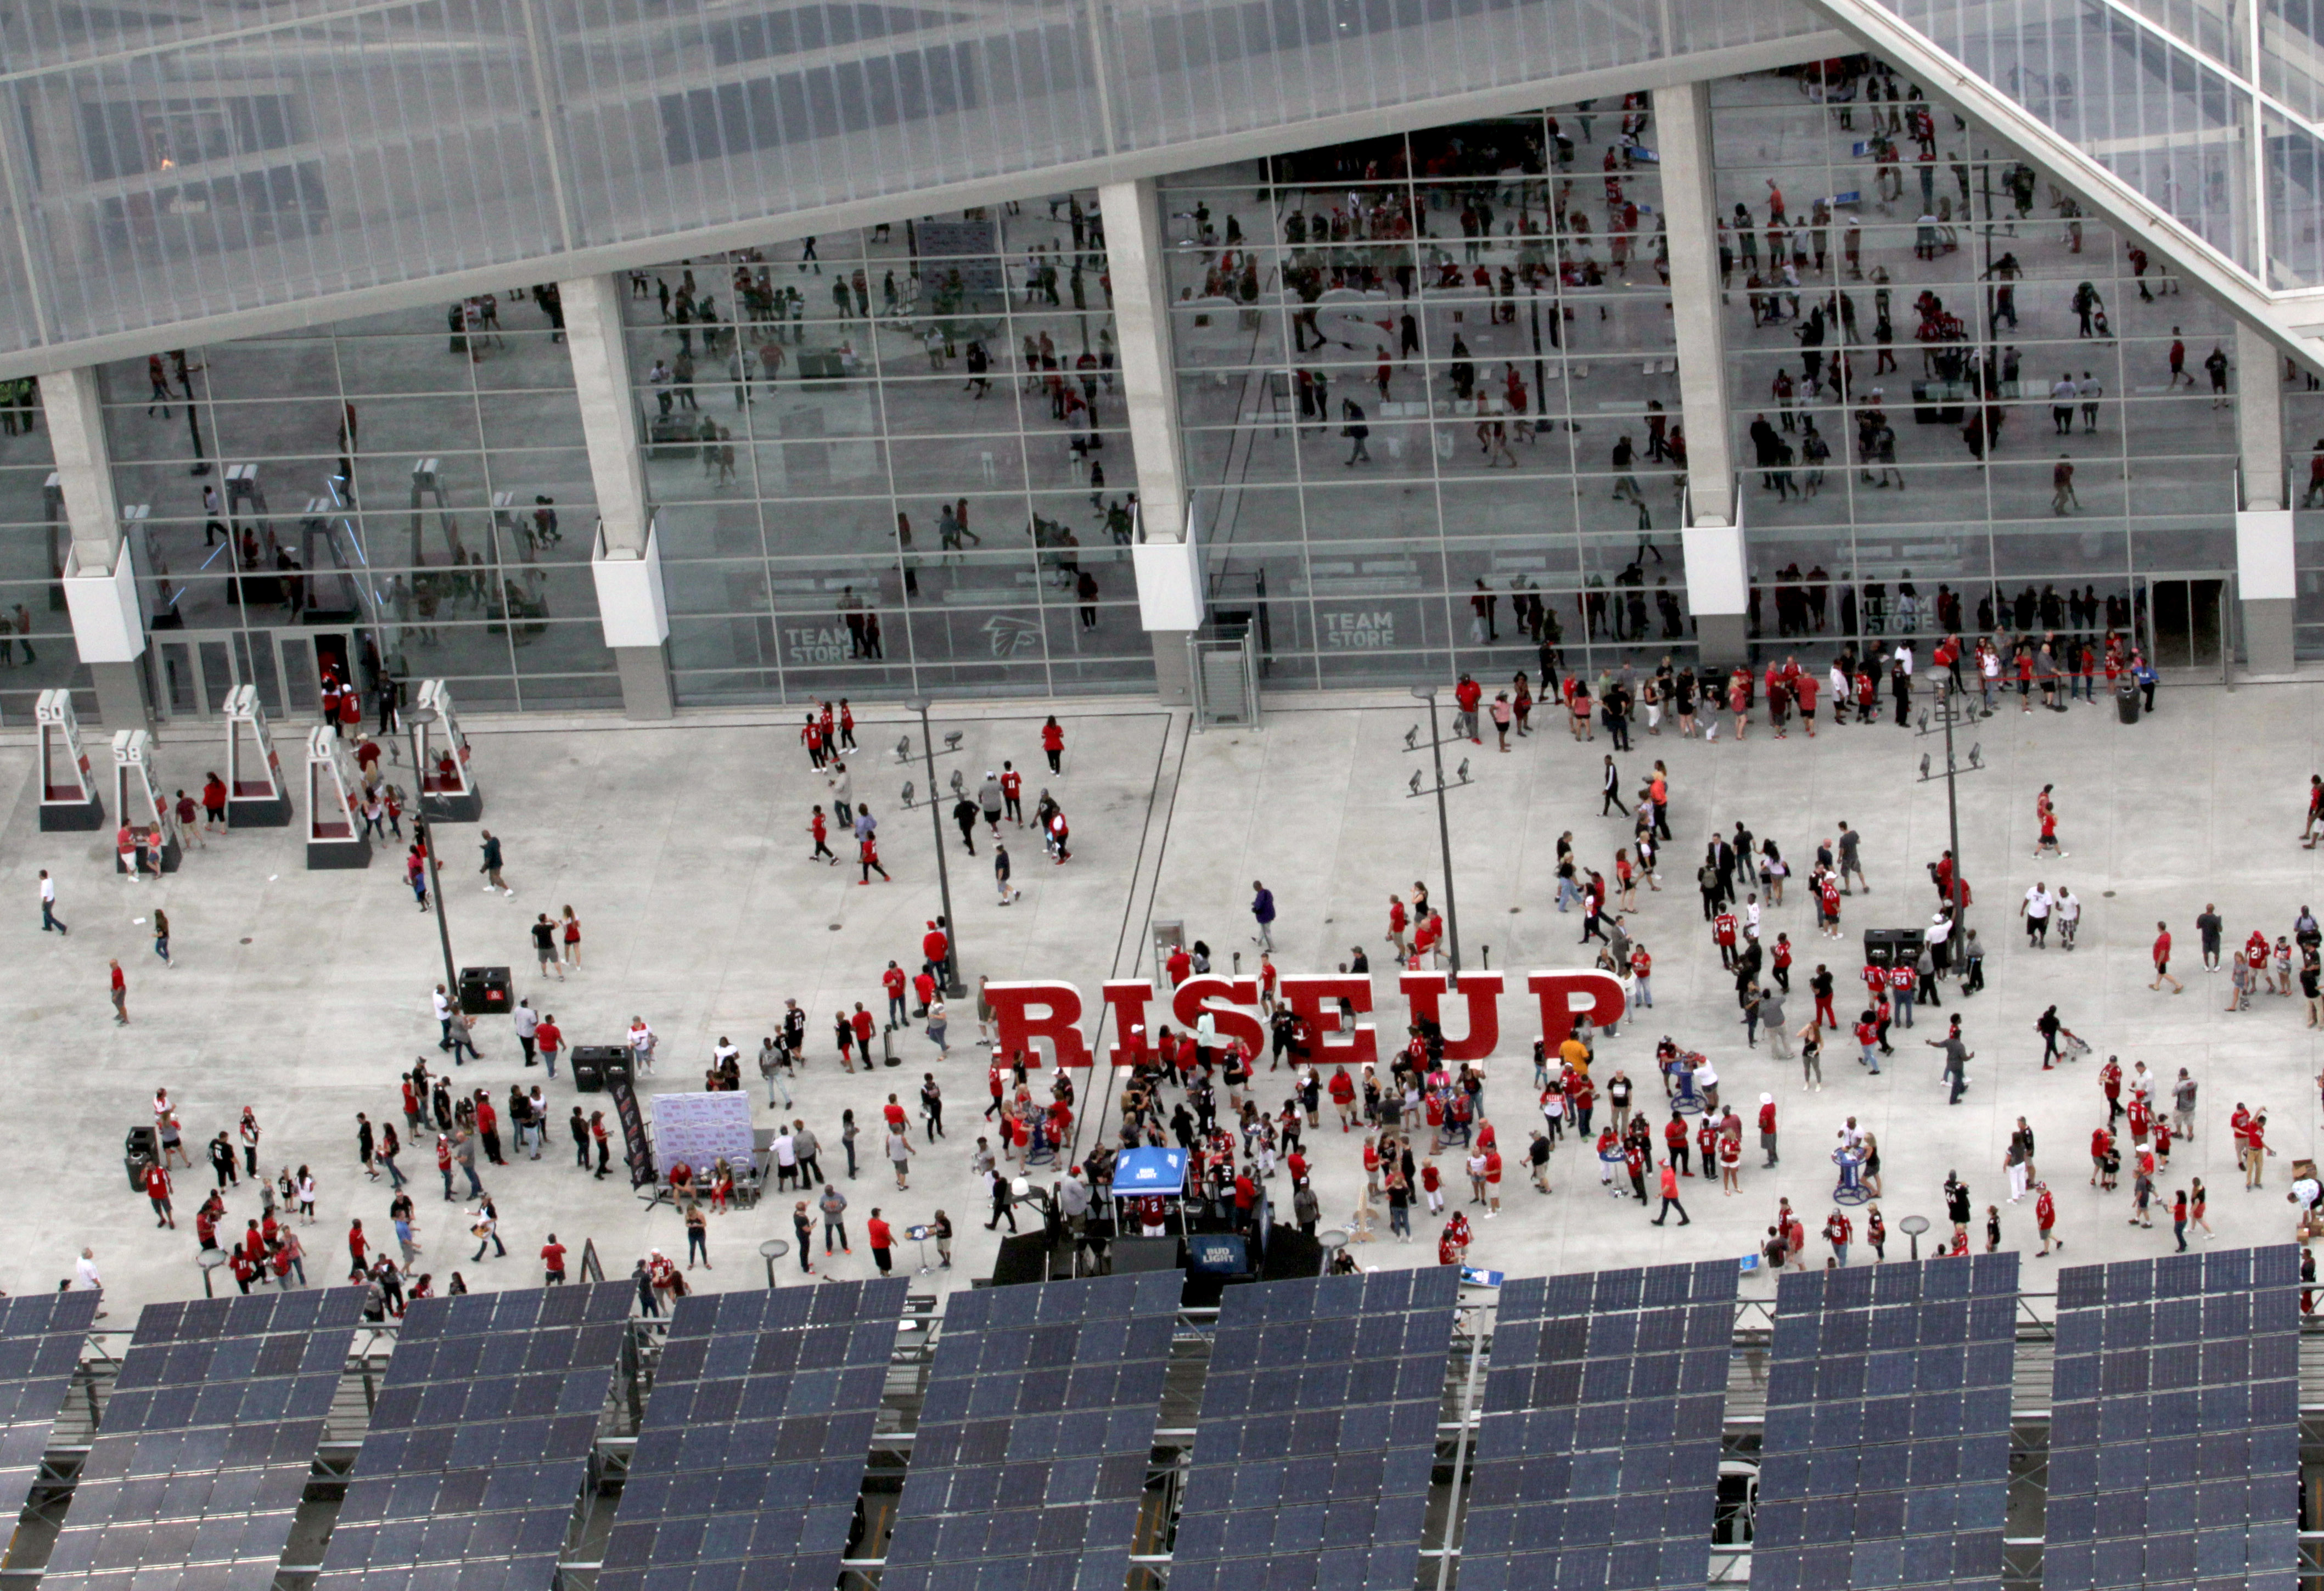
point(413, 719)
point(954, 985)
point(1427, 692)
point(1947, 711)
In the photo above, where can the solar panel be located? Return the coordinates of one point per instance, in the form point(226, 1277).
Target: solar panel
point(1597, 1454)
point(479, 1440)
point(753, 1445)
point(39, 1347)
point(206, 1442)
point(1030, 1455)
point(1884, 1458)
point(1318, 1434)
point(2175, 1438)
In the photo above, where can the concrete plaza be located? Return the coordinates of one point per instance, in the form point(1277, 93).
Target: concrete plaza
point(683, 850)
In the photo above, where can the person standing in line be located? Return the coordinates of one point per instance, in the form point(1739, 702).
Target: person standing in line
point(491, 846)
point(120, 995)
point(1262, 911)
point(48, 919)
point(2162, 960)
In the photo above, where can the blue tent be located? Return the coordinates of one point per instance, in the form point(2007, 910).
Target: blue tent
point(1149, 1170)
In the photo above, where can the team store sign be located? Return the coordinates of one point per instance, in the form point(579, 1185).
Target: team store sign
point(1033, 1013)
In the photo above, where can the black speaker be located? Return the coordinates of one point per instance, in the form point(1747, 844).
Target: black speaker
point(618, 1063)
point(589, 1063)
point(1147, 1253)
point(1891, 947)
point(484, 991)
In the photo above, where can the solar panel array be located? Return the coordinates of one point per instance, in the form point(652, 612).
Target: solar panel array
point(1317, 1433)
point(39, 1347)
point(479, 1441)
point(2174, 1425)
point(752, 1451)
point(1031, 1450)
point(1597, 1446)
point(1885, 1458)
point(207, 1443)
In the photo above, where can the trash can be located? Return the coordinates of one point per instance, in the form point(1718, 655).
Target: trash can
point(141, 1147)
point(2126, 702)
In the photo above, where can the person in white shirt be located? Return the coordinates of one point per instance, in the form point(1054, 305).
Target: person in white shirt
point(2070, 916)
point(2035, 909)
point(528, 1024)
point(2061, 405)
point(49, 919)
point(85, 1276)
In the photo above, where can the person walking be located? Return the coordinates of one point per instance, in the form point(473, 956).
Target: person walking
point(1262, 912)
point(2162, 960)
point(120, 986)
point(698, 1236)
point(162, 936)
point(491, 846)
point(1000, 871)
point(1670, 1196)
point(50, 921)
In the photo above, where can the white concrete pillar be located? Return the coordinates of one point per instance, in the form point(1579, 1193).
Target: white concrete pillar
point(2266, 580)
point(1169, 588)
point(626, 558)
point(1718, 579)
point(100, 586)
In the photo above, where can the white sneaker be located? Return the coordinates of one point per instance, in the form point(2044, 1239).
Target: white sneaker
point(488, 889)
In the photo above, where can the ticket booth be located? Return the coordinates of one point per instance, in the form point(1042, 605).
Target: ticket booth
point(68, 797)
point(448, 785)
point(140, 802)
point(335, 835)
point(254, 796)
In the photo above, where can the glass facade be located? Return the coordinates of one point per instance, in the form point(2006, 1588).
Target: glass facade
point(36, 651)
point(1429, 409)
point(893, 461)
point(2017, 405)
point(1429, 398)
point(394, 492)
point(157, 169)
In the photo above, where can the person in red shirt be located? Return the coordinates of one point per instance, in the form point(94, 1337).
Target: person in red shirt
point(882, 1238)
point(1012, 792)
point(1674, 1142)
point(1179, 965)
point(2045, 1217)
point(867, 858)
point(358, 1248)
point(893, 981)
point(1492, 1182)
point(2110, 1085)
point(1670, 1198)
point(894, 1114)
point(120, 986)
point(1722, 934)
point(1767, 1129)
point(2141, 1119)
point(811, 736)
point(2256, 1150)
point(1395, 921)
point(1779, 961)
point(1804, 691)
point(2101, 1150)
point(1837, 1231)
point(1829, 892)
point(1452, 1247)
point(1053, 744)
point(924, 989)
point(552, 1262)
point(157, 1189)
point(935, 946)
point(846, 725)
point(1466, 696)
